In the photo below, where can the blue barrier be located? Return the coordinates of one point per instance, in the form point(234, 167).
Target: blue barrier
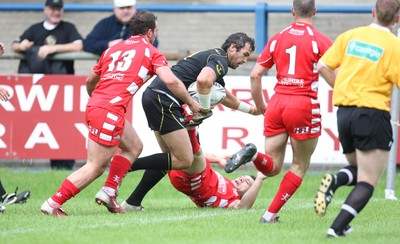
point(261, 11)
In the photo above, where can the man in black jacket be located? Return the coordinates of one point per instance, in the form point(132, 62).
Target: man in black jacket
point(113, 29)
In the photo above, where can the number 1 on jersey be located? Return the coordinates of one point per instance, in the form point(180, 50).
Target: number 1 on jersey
point(292, 59)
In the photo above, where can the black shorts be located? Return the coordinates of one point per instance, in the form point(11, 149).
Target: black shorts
point(364, 129)
point(162, 112)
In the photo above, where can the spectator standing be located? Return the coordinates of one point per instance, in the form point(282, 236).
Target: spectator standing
point(293, 112)
point(369, 61)
point(113, 29)
point(41, 40)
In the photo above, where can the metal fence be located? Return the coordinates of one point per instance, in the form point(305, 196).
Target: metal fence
point(261, 11)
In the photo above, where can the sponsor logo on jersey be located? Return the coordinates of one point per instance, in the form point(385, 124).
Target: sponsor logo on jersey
point(219, 69)
point(113, 76)
point(221, 184)
point(301, 130)
point(131, 42)
point(93, 130)
point(296, 32)
point(287, 81)
point(364, 50)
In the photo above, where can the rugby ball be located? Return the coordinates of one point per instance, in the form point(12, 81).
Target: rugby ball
point(218, 93)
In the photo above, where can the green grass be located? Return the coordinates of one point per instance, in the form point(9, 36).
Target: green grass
point(170, 217)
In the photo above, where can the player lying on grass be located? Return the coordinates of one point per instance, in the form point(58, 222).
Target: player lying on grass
point(206, 187)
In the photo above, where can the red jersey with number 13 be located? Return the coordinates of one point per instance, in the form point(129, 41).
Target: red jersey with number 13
point(123, 69)
point(296, 51)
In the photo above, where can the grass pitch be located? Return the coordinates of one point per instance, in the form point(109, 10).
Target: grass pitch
point(170, 217)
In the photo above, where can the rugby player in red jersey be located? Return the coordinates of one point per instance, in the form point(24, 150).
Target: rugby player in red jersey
point(113, 81)
point(293, 112)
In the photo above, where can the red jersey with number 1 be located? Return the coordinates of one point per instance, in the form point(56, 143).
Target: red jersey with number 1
point(123, 69)
point(296, 58)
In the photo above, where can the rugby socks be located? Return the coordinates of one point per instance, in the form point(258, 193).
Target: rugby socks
point(2, 190)
point(346, 176)
point(149, 179)
point(289, 185)
point(263, 163)
point(66, 192)
point(355, 202)
point(158, 161)
point(119, 166)
point(194, 140)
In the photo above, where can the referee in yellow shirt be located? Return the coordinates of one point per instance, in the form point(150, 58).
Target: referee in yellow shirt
point(362, 66)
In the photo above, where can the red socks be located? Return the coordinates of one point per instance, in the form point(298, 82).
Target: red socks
point(66, 192)
point(289, 185)
point(194, 141)
point(119, 166)
point(263, 163)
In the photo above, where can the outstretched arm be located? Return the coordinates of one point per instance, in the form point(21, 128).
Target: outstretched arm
point(256, 86)
point(250, 196)
point(233, 102)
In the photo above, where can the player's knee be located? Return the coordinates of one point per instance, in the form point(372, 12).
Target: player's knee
point(299, 169)
point(132, 152)
point(274, 172)
point(94, 169)
point(101, 170)
point(182, 162)
point(138, 149)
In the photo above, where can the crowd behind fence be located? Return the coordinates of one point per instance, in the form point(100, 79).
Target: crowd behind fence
point(261, 11)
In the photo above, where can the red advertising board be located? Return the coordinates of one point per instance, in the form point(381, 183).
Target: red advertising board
point(45, 118)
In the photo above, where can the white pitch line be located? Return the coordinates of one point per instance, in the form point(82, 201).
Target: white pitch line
point(146, 220)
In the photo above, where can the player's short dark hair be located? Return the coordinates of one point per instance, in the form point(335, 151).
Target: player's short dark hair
point(239, 39)
point(387, 11)
point(142, 21)
point(304, 8)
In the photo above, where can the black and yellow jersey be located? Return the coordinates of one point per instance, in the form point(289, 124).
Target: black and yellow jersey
point(190, 67)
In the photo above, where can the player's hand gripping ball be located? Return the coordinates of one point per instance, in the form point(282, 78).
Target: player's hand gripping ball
point(218, 93)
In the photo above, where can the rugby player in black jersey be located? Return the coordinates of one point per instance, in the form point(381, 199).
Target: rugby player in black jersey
point(165, 114)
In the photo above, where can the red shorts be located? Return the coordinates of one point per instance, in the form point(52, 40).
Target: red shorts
point(299, 116)
point(105, 127)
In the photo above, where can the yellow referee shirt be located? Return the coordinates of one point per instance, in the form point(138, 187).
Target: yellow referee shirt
point(369, 61)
